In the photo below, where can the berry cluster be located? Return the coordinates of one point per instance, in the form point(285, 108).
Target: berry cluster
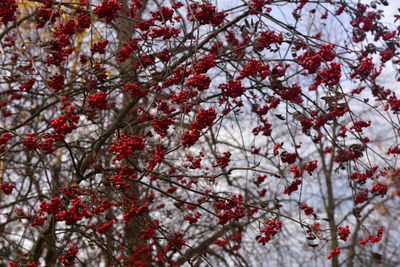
point(56, 82)
point(161, 125)
point(135, 90)
point(232, 89)
point(271, 228)
point(99, 100)
point(68, 258)
point(127, 145)
point(205, 14)
point(3, 140)
point(373, 238)
point(199, 81)
point(108, 9)
point(333, 252)
point(254, 68)
point(231, 207)
point(99, 47)
point(379, 189)
point(307, 210)
point(266, 39)
point(192, 219)
point(344, 232)
point(292, 187)
point(224, 160)
point(7, 188)
point(7, 11)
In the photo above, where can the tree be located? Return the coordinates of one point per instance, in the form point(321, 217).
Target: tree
point(165, 133)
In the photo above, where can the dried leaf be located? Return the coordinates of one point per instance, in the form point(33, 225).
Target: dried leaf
point(247, 23)
point(299, 116)
point(378, 257)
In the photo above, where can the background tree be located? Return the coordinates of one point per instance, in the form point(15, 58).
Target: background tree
point(145, 133)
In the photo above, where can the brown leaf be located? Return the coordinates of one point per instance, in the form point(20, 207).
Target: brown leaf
point(378, 257)
point(299, 116)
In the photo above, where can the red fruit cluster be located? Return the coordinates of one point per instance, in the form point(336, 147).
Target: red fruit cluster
point(254, 68)
point(65, 124)
point(106, 226)
point(364, 70)
point(224, 240)
point(84, 21)
point(373, 238)
point(74, 214)
point(99, 47)
point(7, 11)
point(44, 14)
point(205, 63)
point(122, 174)
point(379, 189)
point(161, 125)
point(328, 76)
point(231, 207)
point(165, 14)
point(26, 86)
point(204, 118)
point(361, 197)
point(344, 232)
point(289, 158)
point(135, 90)
point(266, 39)
point(386, 55)
point(68, 258)
point(56, 82)
point(394, 150)
point(135, 212)
point(176, 242)
point(150, 231)
point(108, 9)
point(192, 219)
point(62, 125)
point(292, 187)
point(333, 252)
point(224, 160)
point(99, 100)
point(358, 125)
point(256, 6)
point(205, 14)
point(311, 166)
point(127, 145)
point(3, 140)
point(7, 188)
point(165, 32)
point(362, 177)
point(52, 207)
point(164, 55)
point(232, 89)
point(189, 138)
point(260, 179)
point(312, 60)
point(60, 47)
point(307, 210)
point(128, 48)
point(199, 81)
point(272, 227)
